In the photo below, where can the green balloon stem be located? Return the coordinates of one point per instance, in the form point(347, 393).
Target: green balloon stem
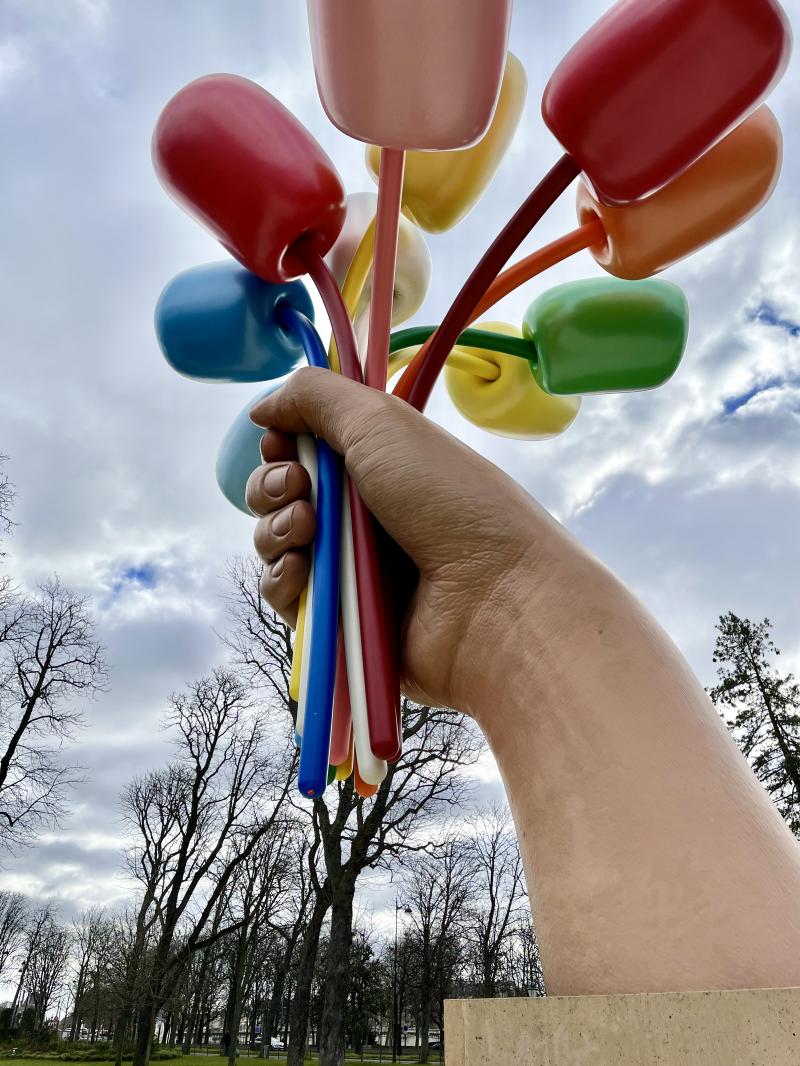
point(470, 338)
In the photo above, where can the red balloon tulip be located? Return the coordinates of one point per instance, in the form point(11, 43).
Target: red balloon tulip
point(236, 159)
point(655, 83)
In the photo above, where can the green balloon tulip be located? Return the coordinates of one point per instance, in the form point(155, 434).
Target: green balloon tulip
point(607, 335)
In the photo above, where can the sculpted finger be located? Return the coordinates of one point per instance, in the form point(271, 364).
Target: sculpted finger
point(291, 527)
point(283, 581)
point(274, 485)
point(277, 447)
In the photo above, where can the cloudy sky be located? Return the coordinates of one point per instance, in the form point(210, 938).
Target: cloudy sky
point(692, 493)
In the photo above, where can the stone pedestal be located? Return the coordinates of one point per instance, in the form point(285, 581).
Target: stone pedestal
point(748, 1028)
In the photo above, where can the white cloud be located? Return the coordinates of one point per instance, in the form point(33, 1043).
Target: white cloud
point(13, 61)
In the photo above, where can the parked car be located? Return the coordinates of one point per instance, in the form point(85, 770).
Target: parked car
point(276, 1044)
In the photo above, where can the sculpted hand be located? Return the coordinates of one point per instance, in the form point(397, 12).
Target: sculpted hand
point(470, 530)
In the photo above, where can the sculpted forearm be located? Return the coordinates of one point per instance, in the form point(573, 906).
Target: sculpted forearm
point(655, 859)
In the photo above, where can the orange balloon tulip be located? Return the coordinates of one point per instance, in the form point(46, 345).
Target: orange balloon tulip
point(727, 185)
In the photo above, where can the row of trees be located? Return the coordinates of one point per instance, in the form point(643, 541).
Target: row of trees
point(465, 930)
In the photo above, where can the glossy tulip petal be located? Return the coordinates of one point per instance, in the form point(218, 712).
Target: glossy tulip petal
point(240, 454)
point(218, 323)
point(236, 159)
point(606, 335)
point(653, 85)
point(440, 188)
point(416, 74)
point(513, 405)
point(724, 188)
point(414, 267)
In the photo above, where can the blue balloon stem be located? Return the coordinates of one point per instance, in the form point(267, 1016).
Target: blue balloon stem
point(315, 750)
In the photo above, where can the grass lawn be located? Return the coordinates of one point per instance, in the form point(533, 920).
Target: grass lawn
point(279, 1058)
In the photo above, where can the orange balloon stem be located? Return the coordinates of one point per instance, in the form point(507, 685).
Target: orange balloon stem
point(586, 236)
point(390, 195)
point(362, 788)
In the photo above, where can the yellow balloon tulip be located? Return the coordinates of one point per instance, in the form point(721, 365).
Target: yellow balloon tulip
point(513, 405)
point(440, 188)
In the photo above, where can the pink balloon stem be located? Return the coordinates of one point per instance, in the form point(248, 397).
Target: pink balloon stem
point(390, 195)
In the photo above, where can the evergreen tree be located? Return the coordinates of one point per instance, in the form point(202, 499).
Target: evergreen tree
point(761, 708)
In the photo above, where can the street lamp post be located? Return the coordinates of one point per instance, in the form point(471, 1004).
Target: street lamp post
point(395, 1003)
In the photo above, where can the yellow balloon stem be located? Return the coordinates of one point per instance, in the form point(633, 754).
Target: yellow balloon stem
point(354, 283)
point(297, 653)
point(458, 359)
point(345, 769)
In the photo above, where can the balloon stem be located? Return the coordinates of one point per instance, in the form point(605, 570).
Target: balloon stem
point(341, 326)
point(586, 236)
point(419, 378)
point(354, 283)
point(390, 196)
point(379, 627)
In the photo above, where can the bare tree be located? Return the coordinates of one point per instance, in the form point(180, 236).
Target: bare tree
point(194, 823)
point(38, 922)
point(500, 887)
point(204, 977)
point(90, 937)
point(50, 661)
point(47, 969)
point(255, 893)
point(525, 970)
point(290, 925)
point(436, 888)
point(7, 495)
point(352, 834)
point(44, 957)
point(366, 1000)
point(13, 914)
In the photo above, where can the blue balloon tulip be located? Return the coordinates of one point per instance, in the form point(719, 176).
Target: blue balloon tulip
point(240, 453)
point(218, 323)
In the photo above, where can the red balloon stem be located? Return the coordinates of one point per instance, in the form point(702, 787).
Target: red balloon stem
point(419, 378)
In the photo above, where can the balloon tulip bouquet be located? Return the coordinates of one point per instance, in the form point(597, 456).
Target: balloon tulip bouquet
point(659, 109)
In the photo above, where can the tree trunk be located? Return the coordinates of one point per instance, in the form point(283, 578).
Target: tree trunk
point(273, 1007)
point(79, 993)
point(234, 1021)
point(301, 1001)
point(265, 1033)
point(145, 1027)
point(331, 1030)
point(236, 994)
point(193, 1023)
point(96, 1002)
point(120, 1032)
point(287, 1016)
point(424, 1026)
point(183, 1020)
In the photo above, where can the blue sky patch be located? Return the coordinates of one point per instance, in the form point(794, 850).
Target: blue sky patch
point(769, 315)
point(144, 576)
